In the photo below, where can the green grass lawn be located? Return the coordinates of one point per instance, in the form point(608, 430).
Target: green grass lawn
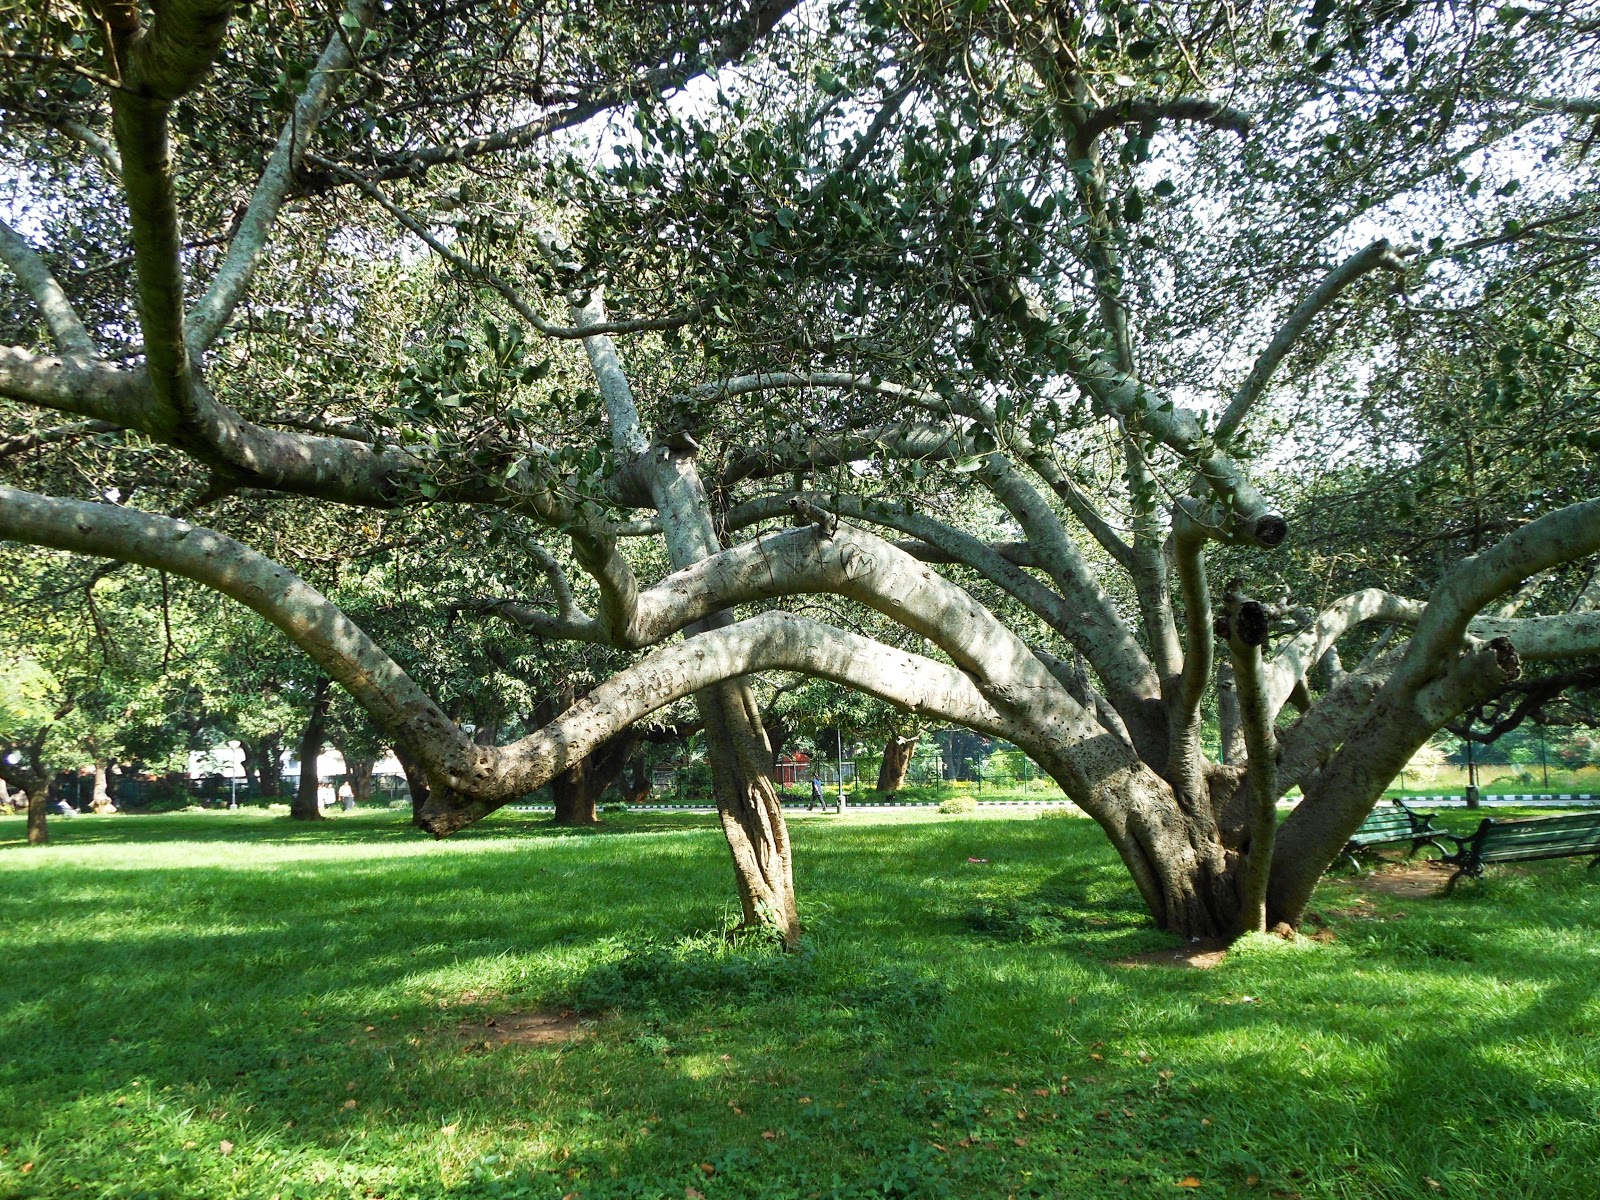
point(227, 1005)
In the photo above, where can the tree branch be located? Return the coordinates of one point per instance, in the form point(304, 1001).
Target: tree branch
point(164, 60)
point(23, 442)
point(1300, 653)
point(97, 145)
point(1185, 766)
point(735, 40)
point(331, 639)
point(1363, 262)
point(65, 325)
point(1115, 656)
point(778, 641)
point(1246, 628)
point(1565, 535)
point(213, 309)
point(1195, 109)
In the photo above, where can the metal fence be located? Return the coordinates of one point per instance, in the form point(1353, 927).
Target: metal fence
point(134, 794)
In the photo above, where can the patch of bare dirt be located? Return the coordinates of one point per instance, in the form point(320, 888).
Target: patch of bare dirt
point(524, 1029)
point(1199, 955)
point(1411, 881)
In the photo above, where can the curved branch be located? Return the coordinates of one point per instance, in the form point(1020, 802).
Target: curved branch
point(472, 780)
point(313, 623)
point(66, 327)
point(1363, 262)
point(1115, 656)
point(1565, 535)
point(773, 641)
point(1296, 657)
point(211, 312)
point(1196, 109)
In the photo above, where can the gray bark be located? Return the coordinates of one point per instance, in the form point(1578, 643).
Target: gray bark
point(897, 753)
point(741, 760)
point(305, 806)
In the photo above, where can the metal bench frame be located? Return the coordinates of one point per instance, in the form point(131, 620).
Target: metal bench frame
point(1418, 830)
point(1576, 835)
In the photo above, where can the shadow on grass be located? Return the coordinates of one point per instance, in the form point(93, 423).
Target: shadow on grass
point(253, 1002)
point(247, 825)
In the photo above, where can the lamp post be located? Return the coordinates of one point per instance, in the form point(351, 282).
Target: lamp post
point(838, 741)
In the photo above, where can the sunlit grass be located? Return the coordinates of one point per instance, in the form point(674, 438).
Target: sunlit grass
point(228, 1005)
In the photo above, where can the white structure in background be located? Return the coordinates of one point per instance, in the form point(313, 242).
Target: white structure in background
point(227, 760)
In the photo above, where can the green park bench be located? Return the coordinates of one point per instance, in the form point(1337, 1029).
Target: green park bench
point(1573, 836)
point(1393, 825)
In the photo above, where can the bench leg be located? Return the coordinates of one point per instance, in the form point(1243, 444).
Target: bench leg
point(1457, 877)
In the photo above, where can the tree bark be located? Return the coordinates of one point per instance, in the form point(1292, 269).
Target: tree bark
point(101, 801)
point(575, 798)
point(736, 744)
point(636, 789)
point(749, 807)
point(1195, 874)
point(1230, 725)
point(38, 812)
point(416, 784)
point(31, 780)
point(577, 790)
point(897, 752)
point(359, 770)
point(263, 765)
point(305, 806)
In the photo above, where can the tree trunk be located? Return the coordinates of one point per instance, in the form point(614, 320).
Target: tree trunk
point(748, 804)
point(38, 812)
point(736, 744)
point(101, 802)
point(1230, 724)
point(263, 765)
point(636, 788)
point(577, 791)
point(575, 797)
point(252, 771)
point(777, 737)
point(359, 771)
point(305, 806)
point(416, 784)
point(897, 752)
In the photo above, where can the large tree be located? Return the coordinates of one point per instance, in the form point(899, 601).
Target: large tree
point(973, 316)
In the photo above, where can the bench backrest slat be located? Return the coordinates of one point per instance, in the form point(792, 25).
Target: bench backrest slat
point(1548, 837)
